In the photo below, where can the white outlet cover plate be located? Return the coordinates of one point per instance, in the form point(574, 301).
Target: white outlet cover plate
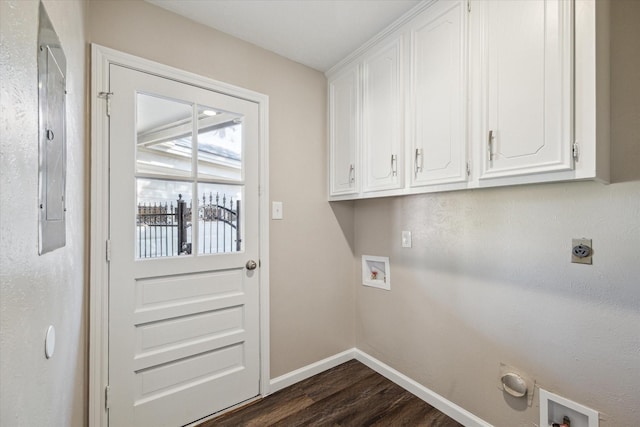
point(406, 239)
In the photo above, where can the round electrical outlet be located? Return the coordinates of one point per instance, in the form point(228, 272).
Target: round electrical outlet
point(581, 251)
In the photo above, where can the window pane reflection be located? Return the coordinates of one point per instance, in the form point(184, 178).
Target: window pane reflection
point(164, 130)
point(219, 144)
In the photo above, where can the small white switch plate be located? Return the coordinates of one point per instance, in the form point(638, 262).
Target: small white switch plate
point(406, 239)
point(276, 210)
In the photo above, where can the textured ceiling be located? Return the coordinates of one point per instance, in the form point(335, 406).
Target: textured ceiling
point(316, 33)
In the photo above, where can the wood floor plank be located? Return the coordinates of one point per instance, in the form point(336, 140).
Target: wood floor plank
point(322, 385)
point(266, 412)
point(349, 395)
point(376, 406)
point(328, 410)
point(415, 412)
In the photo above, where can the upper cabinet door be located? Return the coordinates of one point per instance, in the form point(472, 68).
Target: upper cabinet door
point(382, 121)
point(343, 131)
point(438, 95)
point(528, 87)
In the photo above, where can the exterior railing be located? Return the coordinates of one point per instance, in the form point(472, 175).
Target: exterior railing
point(165, 229)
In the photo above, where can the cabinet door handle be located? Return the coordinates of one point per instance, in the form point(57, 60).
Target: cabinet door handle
point(394, 165)
point(352, 175)
point(490, 145)
point(418, 161)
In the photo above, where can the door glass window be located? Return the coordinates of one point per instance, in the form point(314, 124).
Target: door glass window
point(163, 218)
point(185, 204)
point(219, 144)
point(219, 213)
point(164, 130)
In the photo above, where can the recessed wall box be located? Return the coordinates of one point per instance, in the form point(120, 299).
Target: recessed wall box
point(554, 408)
point(376, 272)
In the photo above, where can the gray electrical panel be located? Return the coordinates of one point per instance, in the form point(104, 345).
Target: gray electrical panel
point(52, 68)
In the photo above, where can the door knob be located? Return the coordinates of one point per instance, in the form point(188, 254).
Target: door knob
point(251, 265)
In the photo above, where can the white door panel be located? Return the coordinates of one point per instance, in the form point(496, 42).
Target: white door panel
point(183, 320)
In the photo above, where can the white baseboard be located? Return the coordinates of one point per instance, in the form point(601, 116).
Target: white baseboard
point(445, 406)
point(305, 372)
point(434, 399)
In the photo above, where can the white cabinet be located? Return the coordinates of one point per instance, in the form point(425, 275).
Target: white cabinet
point(473, 93)
point(438, 95)
point(526, 85)
point(344, 135)
point(366, 123)
point(417, 68)
point(382, 118)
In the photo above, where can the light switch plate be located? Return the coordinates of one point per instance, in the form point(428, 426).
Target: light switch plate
point(276, 210)
point(406, 239)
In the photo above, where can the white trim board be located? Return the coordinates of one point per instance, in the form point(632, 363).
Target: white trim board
point(445, 406)
point(286, 380)
point(101, 58)
point(442, 404)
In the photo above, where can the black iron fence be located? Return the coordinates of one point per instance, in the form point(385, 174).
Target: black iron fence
point(165, 229)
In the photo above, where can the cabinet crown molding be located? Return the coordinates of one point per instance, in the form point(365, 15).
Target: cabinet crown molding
point(394, 26)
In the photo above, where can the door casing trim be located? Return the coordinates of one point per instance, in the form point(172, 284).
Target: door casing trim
point(101, 58)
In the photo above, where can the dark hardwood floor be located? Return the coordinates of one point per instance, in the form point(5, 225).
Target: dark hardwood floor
point(348, 395)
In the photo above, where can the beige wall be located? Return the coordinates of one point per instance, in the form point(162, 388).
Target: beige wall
point(311, 303)
point(488, 279)
point(38, 291)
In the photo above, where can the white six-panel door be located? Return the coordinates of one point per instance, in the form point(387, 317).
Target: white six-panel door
point(183, 319)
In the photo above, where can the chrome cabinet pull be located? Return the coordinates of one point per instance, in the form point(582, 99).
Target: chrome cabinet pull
point(418, 161)
point(394, 165)
point(490, 145)
point(352, 174)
